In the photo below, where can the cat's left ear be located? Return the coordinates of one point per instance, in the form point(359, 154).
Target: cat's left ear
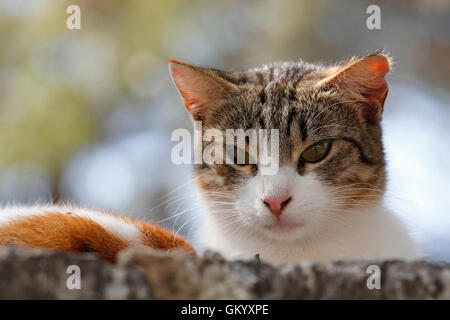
point(202, 90)
point(362, 81)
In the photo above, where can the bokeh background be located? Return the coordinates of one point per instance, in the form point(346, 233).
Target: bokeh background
point(86, 115)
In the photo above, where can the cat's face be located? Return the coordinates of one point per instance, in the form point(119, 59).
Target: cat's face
point(330, 151)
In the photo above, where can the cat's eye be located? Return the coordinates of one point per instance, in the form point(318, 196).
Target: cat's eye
point(233, 155)
point(316, 152)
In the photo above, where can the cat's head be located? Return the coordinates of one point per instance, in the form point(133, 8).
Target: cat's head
point(330, 152)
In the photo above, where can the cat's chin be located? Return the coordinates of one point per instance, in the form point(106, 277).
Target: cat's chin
point(282, 227)
point(283, 231)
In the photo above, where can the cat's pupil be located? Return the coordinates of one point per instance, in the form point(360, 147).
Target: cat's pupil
point(316, 152)
point(236, 152)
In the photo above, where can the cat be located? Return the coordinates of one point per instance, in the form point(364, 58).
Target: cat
point(71, 229)
point(326, 200)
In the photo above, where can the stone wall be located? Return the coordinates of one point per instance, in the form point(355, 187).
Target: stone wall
point(146, 274)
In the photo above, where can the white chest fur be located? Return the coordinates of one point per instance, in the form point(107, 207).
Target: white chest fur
point(371, 233)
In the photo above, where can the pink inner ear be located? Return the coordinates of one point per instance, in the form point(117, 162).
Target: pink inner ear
point(182, 79)
point(199, 88)
point(378, 65)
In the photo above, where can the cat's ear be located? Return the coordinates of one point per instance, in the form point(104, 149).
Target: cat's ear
point(202, 91)
point(362, 81)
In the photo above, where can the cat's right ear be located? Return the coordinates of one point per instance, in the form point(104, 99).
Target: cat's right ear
point(202, 91)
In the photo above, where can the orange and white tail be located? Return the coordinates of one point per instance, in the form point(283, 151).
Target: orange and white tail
point(81, 230)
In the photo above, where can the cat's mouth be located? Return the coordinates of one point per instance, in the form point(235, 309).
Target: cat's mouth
point(283, 226)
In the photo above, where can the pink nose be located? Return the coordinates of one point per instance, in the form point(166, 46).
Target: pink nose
point(277, 205)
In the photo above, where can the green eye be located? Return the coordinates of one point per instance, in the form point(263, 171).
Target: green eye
point(316, 152)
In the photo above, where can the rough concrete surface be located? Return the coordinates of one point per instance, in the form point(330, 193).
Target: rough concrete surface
point(147, 274)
